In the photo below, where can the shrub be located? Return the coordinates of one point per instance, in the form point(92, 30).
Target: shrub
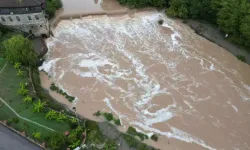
point(154, 137)
point(242, 58)
point(53, 87)
point(73, 125)
point(72, 137)
point(132, 142)
point(98, 113)
point(117, 122)
point(133, 131)
point(12, 121)
point(56, 141)
point(36, 135)
point(160, 22)
point(15, 120)
point(17, 65)
point(108, 116)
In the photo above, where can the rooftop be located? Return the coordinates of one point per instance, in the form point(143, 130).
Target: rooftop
point(20, 3)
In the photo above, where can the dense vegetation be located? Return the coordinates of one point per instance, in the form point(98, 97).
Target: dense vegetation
point(20, 49)
point(232, 16)
point(53, 87)
point(109, 117)
point(52, 6)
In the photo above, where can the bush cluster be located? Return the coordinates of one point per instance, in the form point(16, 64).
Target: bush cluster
point(108, 117)
point(53, 87)
point(132, 131)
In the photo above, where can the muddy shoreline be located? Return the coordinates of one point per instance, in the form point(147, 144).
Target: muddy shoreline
point(213, 34)
point(109, 130)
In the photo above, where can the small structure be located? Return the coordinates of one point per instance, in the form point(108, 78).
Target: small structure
point(25, 15)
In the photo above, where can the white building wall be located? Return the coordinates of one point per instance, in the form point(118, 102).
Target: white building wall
point(33, 22)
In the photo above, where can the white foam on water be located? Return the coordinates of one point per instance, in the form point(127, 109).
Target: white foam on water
point(160, 115)
point(94, 63)
point(176, 134)
point(62, 74)
point(102, 42)
point(175, 34)
point(235, 108)
point(247, 87)
point(108, 103)
point(212, 67)
point(47, 65)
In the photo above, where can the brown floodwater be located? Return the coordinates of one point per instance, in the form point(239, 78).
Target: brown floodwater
point(72, 7)
point(162, 79)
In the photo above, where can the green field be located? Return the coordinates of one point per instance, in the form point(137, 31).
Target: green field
point(9, 85)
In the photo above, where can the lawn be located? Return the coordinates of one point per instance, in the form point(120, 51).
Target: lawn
point(2, 62)
point(9, 85)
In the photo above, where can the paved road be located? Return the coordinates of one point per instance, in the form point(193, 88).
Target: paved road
point(11, 141)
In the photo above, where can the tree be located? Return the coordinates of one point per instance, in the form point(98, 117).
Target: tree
point(245, 29)
point(56, 141)
point(39, 106)
point(27, 99)
point(17, 65)
point(36, 135)
point(20, 49)
point(52, 6)
point(178, 8)
point(233, 19)
point(51, 115)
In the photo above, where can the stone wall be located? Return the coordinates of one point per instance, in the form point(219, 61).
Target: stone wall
point(34, 23)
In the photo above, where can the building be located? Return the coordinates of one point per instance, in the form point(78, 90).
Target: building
point(25, 15)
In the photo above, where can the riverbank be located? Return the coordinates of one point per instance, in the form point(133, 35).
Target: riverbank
point(112, 132)
point(213, 34)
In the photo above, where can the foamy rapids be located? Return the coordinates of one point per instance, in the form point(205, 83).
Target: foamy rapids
point(160, 79)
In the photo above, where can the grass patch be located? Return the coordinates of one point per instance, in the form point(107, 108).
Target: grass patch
point(9, 85)
point(132, 131)
point(53, 87)
point(242, 58)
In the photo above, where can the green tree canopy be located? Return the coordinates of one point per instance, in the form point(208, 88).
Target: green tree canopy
point(178, 8)
point(233, 18)
point(20, 49)
point(245, 29)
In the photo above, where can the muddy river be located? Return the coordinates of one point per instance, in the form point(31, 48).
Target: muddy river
point(162, 79)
